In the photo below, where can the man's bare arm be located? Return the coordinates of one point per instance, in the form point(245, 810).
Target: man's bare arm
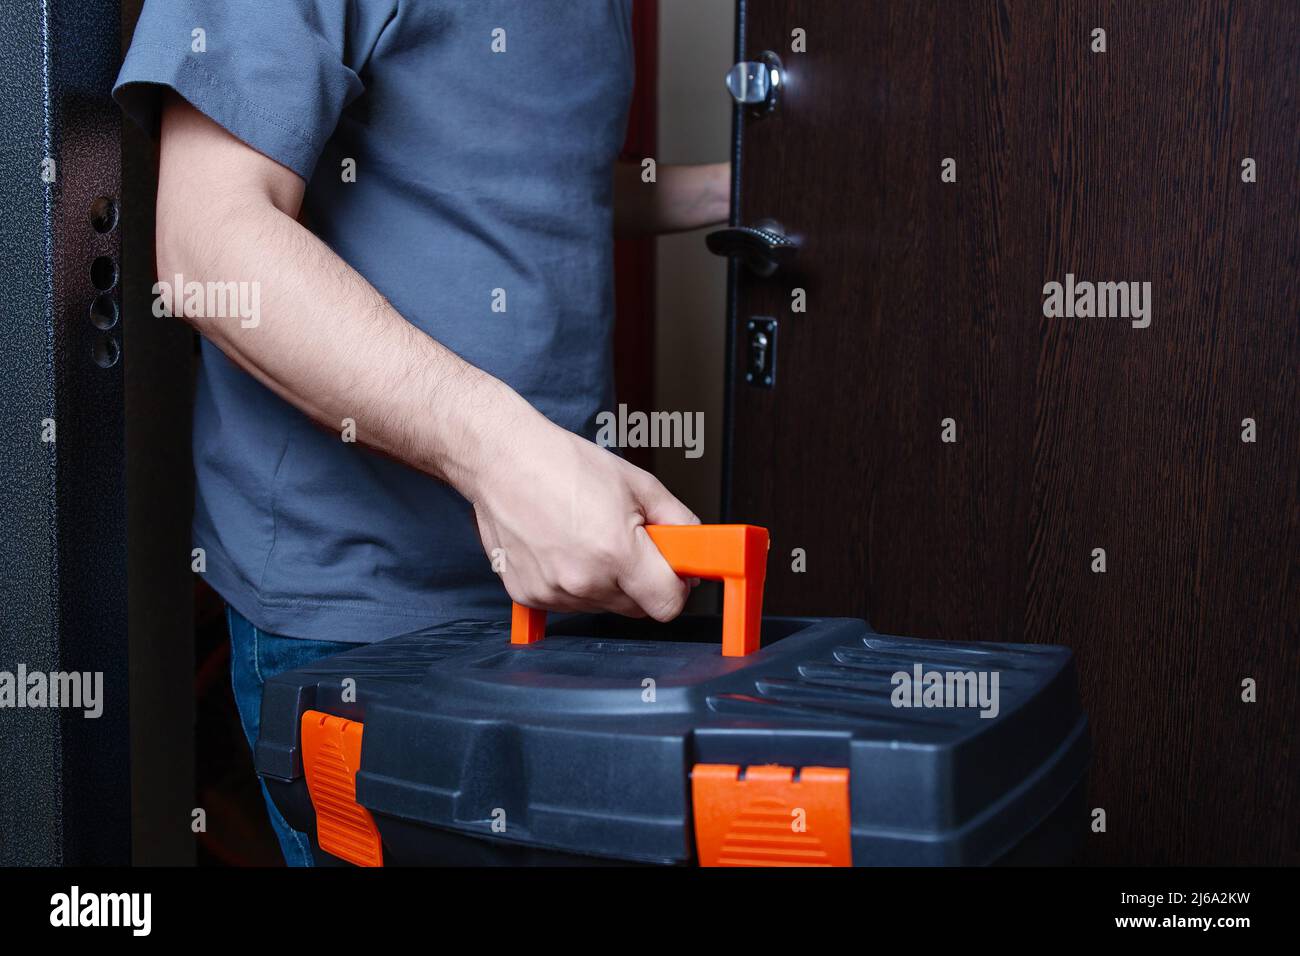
point(680, 198)
point(329, 341)
point(330, 344)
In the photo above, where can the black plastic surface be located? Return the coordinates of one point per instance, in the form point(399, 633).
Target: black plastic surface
point(561, 737)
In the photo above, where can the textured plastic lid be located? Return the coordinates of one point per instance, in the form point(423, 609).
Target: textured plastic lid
point(586, 741)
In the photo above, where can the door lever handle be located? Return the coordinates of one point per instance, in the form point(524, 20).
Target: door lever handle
point(763, 248)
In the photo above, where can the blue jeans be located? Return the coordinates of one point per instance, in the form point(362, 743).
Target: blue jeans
point(255, 656)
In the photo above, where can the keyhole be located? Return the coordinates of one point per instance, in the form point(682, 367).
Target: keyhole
point(758, 352)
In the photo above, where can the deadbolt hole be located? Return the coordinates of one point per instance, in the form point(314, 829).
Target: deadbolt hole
point(103, 214)
point(103, 273)
point(103, 311)
point(106, 351)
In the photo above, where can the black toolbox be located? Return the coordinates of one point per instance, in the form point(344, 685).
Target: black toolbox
point(620, 741)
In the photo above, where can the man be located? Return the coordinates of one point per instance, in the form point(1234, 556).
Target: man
point(418, 195)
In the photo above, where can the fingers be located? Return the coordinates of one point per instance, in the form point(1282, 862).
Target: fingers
point(659, 505)
point(650, 582)
point(581, 588)
point(575, 583)
point(608, 562)
point(589, 597)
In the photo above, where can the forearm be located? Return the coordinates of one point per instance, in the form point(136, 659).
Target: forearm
point(330, 344)
point(681, 198)
point(563, 516)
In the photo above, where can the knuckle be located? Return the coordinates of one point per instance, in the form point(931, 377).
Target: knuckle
point(524, 596)
point(534, 593)
point(530, 597)
point(583, 581)
point(667, 605)
point(607, 548)
point(601, 561)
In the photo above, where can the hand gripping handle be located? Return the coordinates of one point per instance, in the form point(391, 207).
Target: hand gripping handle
point(735, 554)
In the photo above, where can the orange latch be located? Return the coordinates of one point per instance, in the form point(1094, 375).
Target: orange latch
point(331, 756)
point(735, 554)
point(767, 817)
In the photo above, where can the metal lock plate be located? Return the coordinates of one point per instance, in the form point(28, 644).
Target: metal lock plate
point(760, 353)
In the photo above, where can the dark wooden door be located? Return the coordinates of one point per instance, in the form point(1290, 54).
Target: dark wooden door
point(925, 302)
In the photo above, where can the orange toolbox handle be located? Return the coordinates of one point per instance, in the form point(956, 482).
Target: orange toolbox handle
point(735, 554)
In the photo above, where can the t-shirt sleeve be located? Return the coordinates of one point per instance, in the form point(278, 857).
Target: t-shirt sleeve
point(272, 72)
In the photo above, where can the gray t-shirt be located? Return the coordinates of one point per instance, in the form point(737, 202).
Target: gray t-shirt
point(483, 135)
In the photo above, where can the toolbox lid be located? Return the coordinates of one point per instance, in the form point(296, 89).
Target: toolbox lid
point(586, 742)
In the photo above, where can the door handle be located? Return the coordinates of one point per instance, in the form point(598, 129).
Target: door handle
point(762, 248)
point(756, 84)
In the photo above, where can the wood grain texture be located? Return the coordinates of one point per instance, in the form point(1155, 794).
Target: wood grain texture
point(926, 302)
